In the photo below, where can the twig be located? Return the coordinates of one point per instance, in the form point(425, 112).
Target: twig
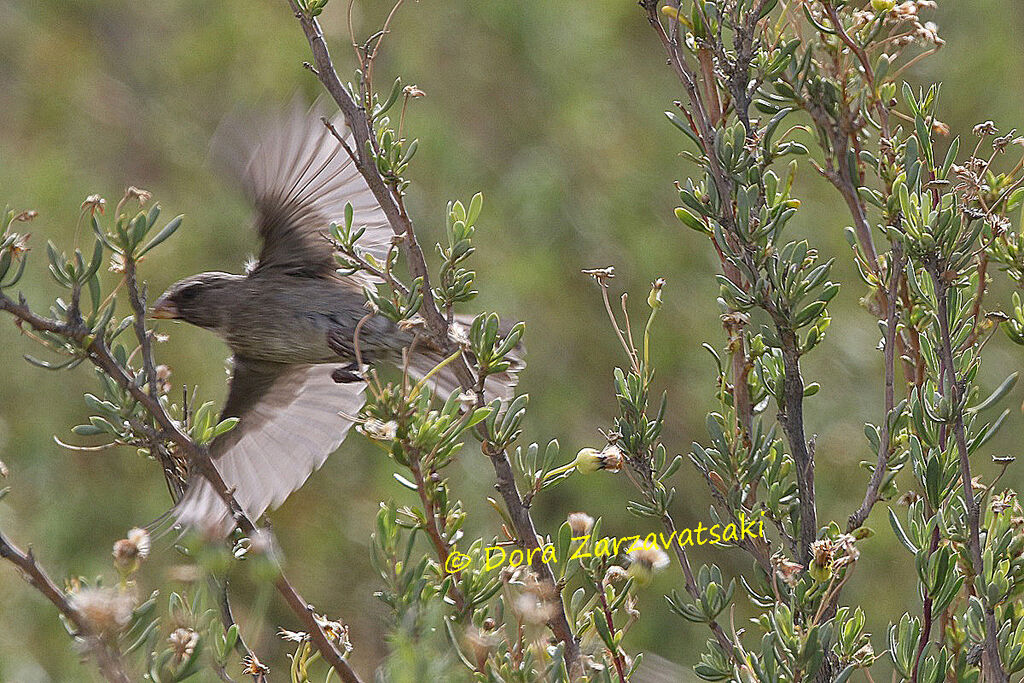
point(107, 658)
point(227, 617)
point(440, 544)
point(691, 585)
point(436, 324)
point(620, 665)
point(871, 495)
point(198, 456)
point(993, 668)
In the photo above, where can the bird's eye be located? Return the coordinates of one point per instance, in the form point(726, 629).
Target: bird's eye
point(189, 293)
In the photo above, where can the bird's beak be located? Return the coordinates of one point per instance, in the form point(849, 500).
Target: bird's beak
point(164, 309)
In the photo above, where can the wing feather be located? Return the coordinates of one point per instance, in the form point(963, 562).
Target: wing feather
point(300, 178)
point(292, 417)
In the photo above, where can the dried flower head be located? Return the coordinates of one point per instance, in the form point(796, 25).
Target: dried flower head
point(94, 203)
point(130, 551)
point(252, 666)
point(335, 631)
point(786, 569)
point(163, 376)
point(846, 551)
point(413, 91)
point(106, 610)
point(1004, 501)
point(26, 216)
point(135, 193)
point(378, 430)
point(533, 608)
point(644, 562)
point(481, 643)
point(1003, 141)
point(459, 334)
point(615, 574)
point(985, 128)
point(20, 244)
point(406, 324)
point(580, 523)
point(940, 128)
point(600, 274)
point(292, 636)
point(183, 643)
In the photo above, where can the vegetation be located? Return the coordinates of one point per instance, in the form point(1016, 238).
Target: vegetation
point(480, 586)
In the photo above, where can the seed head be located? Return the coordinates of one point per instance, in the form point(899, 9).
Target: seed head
point(94, 203)
point(580, 523)
point(130, 551)
point(644, 562)
point(106, 610)
point(183, 643)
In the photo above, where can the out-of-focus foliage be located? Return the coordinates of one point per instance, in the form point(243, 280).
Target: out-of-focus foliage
point(553, 110)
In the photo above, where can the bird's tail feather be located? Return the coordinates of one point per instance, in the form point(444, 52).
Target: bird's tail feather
point(443, 381)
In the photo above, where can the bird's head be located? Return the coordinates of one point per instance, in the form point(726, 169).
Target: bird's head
point(203, 300)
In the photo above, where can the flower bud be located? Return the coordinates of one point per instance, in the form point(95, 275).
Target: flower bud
point(580, 523)
point(654, 298)
point(644, 562)
point(591, 460)
point(130, 551)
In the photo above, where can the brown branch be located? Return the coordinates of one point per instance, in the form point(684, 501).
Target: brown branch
point(107, 657)
point(433, 530)
point(362, 133)
point(926, 614)
point(871, 496)
point(620, 664)
point(993, 668)
point(198, 456)
point(436, 323)
point(791, 416)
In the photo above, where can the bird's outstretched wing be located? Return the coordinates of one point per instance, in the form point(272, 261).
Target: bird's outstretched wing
point(299, 178)
point(291, 418)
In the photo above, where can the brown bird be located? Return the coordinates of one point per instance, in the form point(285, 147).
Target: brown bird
point(290, 322)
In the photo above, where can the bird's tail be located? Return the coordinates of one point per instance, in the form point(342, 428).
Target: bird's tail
point(425, 362)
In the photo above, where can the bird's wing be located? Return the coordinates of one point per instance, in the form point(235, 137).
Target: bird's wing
point(291, 418)
point(299, 178)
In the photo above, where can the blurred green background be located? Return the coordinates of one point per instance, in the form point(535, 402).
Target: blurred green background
point(554, 111)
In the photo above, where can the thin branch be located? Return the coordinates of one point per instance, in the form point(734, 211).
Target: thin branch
point(871, 496)
point(107, 658)
point(993, 668)
point(691, 585)
point(227, 617)
point(198, 456)
point(436, 323)
point(359, 124)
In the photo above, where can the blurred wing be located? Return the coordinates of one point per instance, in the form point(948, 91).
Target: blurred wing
point(292, 418)
point(655, 669)
point(300, 178)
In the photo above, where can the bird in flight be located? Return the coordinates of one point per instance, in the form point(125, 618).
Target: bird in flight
point(290, 322)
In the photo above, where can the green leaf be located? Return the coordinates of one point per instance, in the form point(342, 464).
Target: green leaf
point(166, 232)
